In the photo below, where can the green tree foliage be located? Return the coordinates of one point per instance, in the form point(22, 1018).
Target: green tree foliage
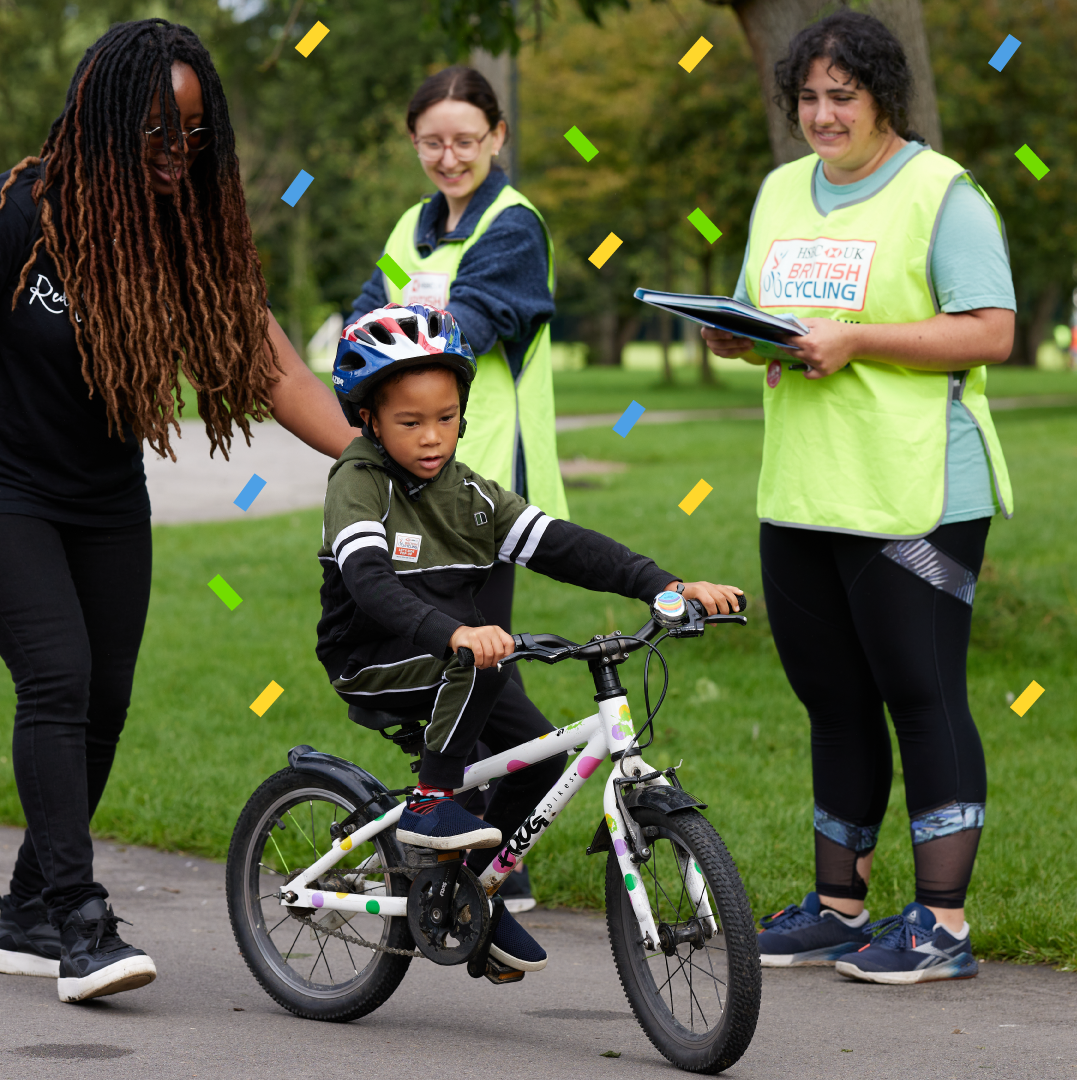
point(987, 115)
point(668, 141)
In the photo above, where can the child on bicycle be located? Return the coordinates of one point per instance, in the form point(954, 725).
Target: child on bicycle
point(410, 536)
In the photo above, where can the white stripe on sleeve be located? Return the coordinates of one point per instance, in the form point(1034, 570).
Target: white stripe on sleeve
point(362, 542)
point(358, 528)
point(517, 530)
point(533, 540)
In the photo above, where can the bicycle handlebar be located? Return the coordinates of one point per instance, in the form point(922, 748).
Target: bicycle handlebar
point(552, 649)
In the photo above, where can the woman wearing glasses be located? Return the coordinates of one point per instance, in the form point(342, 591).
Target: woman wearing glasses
point(481, 249)
point(125, 256)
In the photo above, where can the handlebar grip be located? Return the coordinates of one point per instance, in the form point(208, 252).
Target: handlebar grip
point(742, 602)
point(465, 656)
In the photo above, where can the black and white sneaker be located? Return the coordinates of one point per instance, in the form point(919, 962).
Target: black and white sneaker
point(514, 946)
point(29, 943)
point(94, 961)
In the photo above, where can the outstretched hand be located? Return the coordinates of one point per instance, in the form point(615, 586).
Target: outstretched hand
point(490, 644)
point(715, 598)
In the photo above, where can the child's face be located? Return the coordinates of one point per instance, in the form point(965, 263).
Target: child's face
point(419, 421)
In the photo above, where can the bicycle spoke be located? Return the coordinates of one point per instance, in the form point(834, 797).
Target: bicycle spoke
point(291, 947)
point(284, 920)
point(321, 956)
point(284, 861)
point(350, 957)
point(270, 868)
point(313, 831)
point(300, 828)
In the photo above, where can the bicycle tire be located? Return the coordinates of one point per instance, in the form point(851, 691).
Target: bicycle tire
point(369, 987)
point(722, 1043)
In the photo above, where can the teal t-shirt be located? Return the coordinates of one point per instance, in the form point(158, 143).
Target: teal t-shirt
point(970, 269)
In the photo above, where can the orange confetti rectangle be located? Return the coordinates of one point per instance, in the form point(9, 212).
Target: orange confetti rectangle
point(266, 698)
point(1028, 698)
point(692, 500)
point(604, 250)
point(695, 54)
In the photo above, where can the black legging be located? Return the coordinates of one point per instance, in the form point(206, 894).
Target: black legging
point(854, 630)
point(72, 610)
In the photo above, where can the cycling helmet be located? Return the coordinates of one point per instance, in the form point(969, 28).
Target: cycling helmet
point(390, 339)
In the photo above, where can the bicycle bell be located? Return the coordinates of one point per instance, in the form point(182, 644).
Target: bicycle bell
point(669, 609)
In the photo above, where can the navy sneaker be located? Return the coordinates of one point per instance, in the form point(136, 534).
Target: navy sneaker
point(802, 934)
point(29, 943)
point(515, 947)
point(516, 892)
point(911, 948)
point(94, 961)
point(446, 826)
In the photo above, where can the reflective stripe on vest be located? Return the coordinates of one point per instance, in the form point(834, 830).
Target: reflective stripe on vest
point(499, 407)
point(863, 450)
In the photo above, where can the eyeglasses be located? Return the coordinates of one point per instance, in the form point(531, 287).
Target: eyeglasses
point(194, 140)
point(464, 147)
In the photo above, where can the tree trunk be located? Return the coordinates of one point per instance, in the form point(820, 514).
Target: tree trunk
point(770, 25)
point(500, 72)
point(1029, 337)
point(706, 373)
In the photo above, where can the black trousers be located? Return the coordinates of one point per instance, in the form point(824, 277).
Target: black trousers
point(73, 606)
point(854, 630)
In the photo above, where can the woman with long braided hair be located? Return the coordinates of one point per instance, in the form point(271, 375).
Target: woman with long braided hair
point(126, 258)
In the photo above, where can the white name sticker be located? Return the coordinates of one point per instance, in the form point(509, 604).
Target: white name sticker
point(427, 288)
point(406, 547)
point(820, 273)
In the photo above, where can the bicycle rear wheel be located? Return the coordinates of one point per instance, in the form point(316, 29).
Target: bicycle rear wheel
point(697, 994)
point(313, 971)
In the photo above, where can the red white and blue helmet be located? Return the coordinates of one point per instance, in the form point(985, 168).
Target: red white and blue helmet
point(392, 338)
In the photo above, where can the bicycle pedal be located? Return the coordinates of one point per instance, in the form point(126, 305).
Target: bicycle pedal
point(422, 857)
point(499, 973)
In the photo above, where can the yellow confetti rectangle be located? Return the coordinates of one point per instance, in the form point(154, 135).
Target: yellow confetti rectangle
point(266, 698)
point(692, 500)
point(312, 38)
point(695, 54)
point(1027, 699)
point(605, 250)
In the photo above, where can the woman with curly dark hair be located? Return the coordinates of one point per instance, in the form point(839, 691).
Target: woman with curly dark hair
point(126, 257)
point(881, 473)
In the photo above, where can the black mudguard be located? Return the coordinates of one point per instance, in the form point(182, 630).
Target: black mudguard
point(364, 787)
point(666, 800)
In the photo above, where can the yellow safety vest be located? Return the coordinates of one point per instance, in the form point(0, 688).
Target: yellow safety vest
point(864, 450)
point(499, 406)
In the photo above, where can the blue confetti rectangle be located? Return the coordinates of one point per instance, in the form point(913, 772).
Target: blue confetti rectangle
point(1004, 53)
point(629, 418)
point(297, 187)
point(251, 490)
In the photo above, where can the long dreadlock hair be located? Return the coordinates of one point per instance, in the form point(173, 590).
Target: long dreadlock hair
point(154, 287)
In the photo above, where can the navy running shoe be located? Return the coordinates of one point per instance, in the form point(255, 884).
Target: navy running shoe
point(911, 948)
point(515, 947)
point(803, 934)
point(446, 826)
point(29, 943)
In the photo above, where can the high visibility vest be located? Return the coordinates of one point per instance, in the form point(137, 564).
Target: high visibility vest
point(863, 450)
point(500, 408)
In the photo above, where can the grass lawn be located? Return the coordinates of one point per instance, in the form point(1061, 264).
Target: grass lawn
point(193, 751)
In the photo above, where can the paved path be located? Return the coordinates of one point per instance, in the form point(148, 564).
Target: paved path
point(197, 488)
point(206, 1017)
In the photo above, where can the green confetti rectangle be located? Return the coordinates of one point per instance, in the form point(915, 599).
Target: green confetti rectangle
point(581, 143)
point(710, 231)
point(231, 598)
point(390, 268)
point(1028, 158)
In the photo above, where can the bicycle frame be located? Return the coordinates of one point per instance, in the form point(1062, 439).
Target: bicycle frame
point(602, 735)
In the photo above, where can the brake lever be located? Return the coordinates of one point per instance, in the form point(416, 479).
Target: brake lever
point(537, 652)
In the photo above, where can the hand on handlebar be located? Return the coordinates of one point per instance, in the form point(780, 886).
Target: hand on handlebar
point(490, 644)
point(717, 599)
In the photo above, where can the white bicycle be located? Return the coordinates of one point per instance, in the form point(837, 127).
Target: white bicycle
point(329, 909)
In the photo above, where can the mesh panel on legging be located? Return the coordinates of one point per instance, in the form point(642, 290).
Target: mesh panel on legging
point(944, 868)
point(835, 870)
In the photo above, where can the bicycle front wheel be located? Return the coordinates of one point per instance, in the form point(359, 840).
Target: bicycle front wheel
point(309, 960)
point(696, 994)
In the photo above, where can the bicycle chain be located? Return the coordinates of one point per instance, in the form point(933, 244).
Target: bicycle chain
point(338, 933)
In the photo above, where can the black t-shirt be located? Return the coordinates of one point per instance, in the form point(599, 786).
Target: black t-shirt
point(57, 460)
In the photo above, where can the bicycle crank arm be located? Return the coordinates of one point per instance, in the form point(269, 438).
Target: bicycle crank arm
point(350, 903)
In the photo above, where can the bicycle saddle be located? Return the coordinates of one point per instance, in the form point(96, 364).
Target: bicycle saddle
point(414, 708)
